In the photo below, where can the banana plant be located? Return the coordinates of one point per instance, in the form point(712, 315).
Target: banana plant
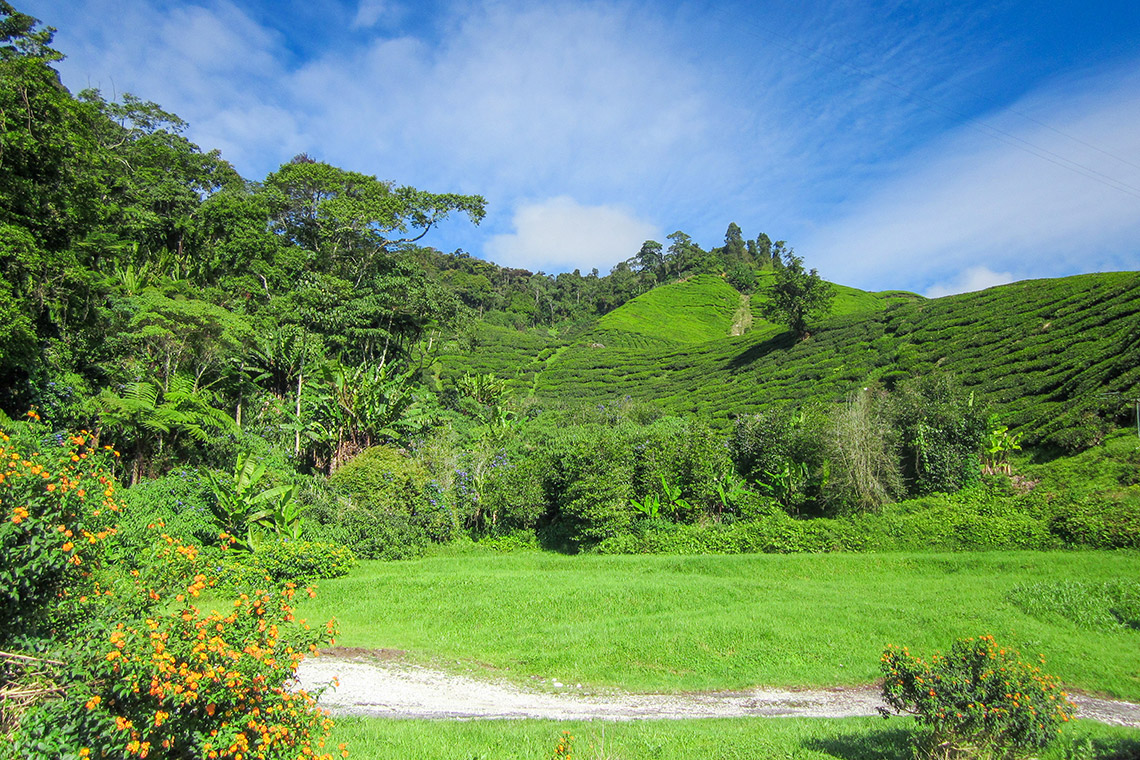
point(729, 489)
point(786, 484)
point(239, 507)
point(999, 444)
point(675, 503)
point(650, 506)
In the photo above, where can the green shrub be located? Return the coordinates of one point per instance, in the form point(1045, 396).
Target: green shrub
point(304, 561)
point(180, 500)
point(373, 534)
point(942, 430)
point(384, 477)
point(976, 701)
point(381, 505)
point(1099, 523)
point(57, 519)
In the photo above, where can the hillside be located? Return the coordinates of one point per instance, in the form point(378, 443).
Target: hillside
point(1049, 354)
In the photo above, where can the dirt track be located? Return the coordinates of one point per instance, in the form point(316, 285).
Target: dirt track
point(381, 684)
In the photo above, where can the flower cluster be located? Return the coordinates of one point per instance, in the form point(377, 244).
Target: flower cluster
point(127, 666)
point(564, 748)
point(57, 510)
point(978, 699)
point(209, 685)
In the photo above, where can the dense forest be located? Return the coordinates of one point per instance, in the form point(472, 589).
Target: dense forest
point(286, 379)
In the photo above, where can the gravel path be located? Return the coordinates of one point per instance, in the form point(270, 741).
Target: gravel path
point(380, 684)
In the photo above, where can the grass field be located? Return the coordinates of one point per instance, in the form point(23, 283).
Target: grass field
point(744, 739)
point(659, 623)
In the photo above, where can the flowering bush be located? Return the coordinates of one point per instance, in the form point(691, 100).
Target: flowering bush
point(976, 701)
point(188, 684)
point(117, 659)
point(57, 509)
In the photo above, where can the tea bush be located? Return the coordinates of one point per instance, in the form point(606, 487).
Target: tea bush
point(978, 700)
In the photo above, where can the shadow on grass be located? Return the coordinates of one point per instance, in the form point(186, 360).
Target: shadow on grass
point(782, 341)
point(1116, 749)
point(877, 744)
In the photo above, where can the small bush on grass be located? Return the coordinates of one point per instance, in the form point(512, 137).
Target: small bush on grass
point(303, 561)
point(976, 701)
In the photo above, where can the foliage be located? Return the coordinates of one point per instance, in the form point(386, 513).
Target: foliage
point(186, 684)
point(797, 296)
point(180, 500)
point(942, 431)
point(390, 507)
point(999, 444)
point(58, 509)
point(977, 701)
point(304, 561)
point(126, 666)
point(239, 506)
point(864, 470)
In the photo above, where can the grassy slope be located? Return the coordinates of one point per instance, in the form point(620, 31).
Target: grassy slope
point(515, 355)
point(650, 623)
point(698, 309)
point(1043, 351)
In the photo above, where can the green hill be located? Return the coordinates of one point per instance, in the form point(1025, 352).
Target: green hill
point(1049, 353)
point(700, 308)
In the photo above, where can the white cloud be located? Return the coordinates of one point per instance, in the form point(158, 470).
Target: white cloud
point(559, 234)
point(368, 12)
point(515, 101)
point(974, 278)
point(1028, 196)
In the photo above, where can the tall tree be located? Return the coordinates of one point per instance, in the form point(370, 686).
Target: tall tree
point(734, 248)
point(797, 296)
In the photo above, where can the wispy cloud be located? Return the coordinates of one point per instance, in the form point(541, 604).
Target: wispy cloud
point(369, 13)
point(567, 235)
point(1016, 195)
point(786, 122)
point(974, 278)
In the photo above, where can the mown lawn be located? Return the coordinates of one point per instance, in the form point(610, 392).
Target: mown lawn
point(659, 623)
point(737, 739)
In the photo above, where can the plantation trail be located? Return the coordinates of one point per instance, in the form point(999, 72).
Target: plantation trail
point(742, 320)
point(379, 683)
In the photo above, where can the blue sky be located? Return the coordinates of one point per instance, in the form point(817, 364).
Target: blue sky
point(928, 146)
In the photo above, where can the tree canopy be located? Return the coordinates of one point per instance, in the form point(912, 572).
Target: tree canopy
point(797, 296)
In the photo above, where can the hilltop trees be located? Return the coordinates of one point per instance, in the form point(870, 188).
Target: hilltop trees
point(797, 295)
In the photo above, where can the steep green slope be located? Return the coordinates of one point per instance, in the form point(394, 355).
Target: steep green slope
point(694, 310)
point(1045, 352)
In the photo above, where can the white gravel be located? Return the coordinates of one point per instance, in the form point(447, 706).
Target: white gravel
point(388, 687)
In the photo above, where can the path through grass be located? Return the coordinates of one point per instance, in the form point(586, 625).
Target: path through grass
point(730, 622)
